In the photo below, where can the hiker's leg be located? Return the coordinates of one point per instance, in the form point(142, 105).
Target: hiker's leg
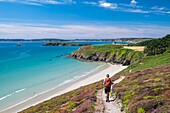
point(107, 96)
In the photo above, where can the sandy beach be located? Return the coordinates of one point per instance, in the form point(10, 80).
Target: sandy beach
point(91, 78)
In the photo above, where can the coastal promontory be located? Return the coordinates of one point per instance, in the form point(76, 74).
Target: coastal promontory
point(115, 54)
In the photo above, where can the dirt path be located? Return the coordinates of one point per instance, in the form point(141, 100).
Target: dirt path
point(136, 48)
point(113, 106)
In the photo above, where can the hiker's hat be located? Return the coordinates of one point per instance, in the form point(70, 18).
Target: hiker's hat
point(107, 75)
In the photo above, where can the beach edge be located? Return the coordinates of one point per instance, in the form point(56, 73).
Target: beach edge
point(83, 81)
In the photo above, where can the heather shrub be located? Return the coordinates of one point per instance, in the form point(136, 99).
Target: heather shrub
point(147, 89)
point(141, 110)
point(72, 105)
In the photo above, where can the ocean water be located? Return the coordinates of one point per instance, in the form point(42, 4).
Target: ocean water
point(32, 69)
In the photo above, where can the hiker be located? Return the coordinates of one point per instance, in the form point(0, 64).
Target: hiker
point(107, 86)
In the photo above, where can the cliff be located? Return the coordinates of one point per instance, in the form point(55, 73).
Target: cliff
point(108, 53)
point(64, 44)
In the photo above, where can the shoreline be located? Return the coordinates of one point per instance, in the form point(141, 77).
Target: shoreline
point(64, 88)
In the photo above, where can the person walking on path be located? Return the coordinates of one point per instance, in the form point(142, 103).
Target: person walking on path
point(107, 86)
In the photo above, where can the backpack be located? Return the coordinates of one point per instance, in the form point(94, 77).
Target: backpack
point(108, 82)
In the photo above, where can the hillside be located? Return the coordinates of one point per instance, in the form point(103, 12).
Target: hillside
point(149, 62)
point(76, 101)
point(108, 53)
point(148, 83)
point(146, 91)
point(156, 46)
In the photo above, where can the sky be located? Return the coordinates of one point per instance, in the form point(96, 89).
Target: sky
point(84, 19)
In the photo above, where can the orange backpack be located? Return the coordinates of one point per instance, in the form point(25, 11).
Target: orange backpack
point(108, 82)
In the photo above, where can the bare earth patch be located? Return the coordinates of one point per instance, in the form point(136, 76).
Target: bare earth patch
point(136, 48)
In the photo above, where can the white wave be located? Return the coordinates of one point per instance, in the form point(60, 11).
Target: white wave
point(67, 81)
point(12, 94)
point(87, 73)
point(19, 90)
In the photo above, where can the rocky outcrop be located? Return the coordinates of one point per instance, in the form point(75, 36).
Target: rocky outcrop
point(64, 44)
point(101, 56)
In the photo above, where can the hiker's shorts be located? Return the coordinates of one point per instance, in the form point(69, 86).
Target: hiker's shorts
point(107, 89)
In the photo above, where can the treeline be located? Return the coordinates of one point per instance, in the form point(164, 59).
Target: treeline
point(156, 46)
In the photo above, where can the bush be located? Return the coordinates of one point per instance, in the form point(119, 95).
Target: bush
point(72, 106)
point(141, 110)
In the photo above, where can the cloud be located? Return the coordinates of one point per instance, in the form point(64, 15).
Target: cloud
point(107, 4)
point(81, 31)
point(136, 11)
point(133, 2)
point(158, 8)
point(91, 3)
point(132, 7)
point(40, 2)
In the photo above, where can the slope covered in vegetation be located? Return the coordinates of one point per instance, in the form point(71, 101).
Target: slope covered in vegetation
point(146, 91)
point(156, 46)
point(108, 53)
point(76, 101)
point(149, 62)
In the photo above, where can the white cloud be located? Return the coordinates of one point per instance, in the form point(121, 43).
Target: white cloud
point(133, 2)
point(133, 8)
point(91, 3)
point(136, 11)
point(158, 8)
point(107, 5)
point(40, 2)
point(80, 31)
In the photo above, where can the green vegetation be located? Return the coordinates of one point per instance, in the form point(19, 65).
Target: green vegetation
point(149, 62)
point(76, 101)
point(156, 46)
point(64, 44)
point(146, 86)
point(145, 90)
point(92, 107)
point(141, 110)
point(108, 53)
point(71, 106)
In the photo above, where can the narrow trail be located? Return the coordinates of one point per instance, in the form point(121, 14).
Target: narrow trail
point(114, 106)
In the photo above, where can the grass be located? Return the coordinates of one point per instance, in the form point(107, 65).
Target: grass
point(141, 110)
point(108, 53)
point(149, 62)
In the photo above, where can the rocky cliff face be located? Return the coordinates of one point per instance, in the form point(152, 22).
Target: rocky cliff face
point(114, 57)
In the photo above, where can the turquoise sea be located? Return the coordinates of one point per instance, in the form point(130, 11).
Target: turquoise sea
point(32, 69)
